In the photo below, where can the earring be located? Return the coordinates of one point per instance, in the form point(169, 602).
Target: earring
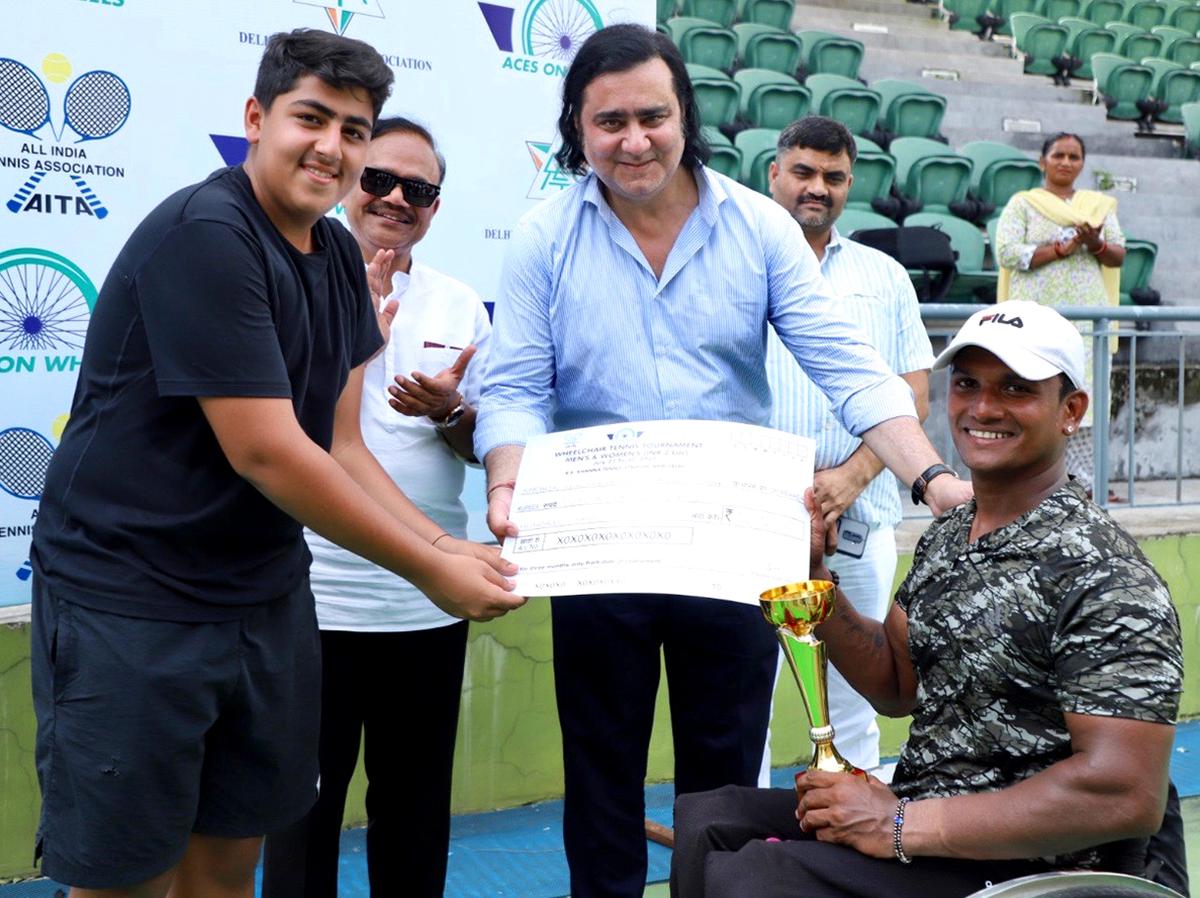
point(1069, 429)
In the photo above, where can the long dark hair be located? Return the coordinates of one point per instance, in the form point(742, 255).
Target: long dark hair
point(619, 48)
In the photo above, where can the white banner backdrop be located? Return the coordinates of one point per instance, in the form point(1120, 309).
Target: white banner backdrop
point(107, 106)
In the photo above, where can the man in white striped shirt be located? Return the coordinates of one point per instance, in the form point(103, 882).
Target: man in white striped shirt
point(811, 178)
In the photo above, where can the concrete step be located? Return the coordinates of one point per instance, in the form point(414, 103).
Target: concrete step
point(874, 7)
point(1154, 175)
point(1115, 141)
point(837, 18)
point(989, 114)
point(887, 62)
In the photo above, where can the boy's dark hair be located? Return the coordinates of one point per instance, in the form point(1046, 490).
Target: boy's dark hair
point(398, 124)
point(816, 132)
point(341, 62)
point(1063, 135)
point(619, 48)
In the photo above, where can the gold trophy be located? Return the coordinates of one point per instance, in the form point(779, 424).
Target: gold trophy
point(795, 610)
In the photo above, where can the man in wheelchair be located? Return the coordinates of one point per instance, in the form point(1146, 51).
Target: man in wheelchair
point(1036, 649)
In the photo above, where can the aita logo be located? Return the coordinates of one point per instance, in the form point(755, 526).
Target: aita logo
point(57, 114)
point(545, 36)
point(342, 12)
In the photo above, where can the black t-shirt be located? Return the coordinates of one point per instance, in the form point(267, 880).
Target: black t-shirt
point(141, 514)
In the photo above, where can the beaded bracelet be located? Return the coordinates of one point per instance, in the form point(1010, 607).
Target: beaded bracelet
point(897, 829)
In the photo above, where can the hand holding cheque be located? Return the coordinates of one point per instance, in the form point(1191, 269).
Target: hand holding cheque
point(703, 508)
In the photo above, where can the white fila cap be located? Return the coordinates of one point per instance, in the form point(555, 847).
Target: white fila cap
point(1034, 340)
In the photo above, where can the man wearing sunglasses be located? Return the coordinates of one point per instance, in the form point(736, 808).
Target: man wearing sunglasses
point(379, 633)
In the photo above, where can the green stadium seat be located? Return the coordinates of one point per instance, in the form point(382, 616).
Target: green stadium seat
point(1134, 43)
point(998, 171)
point(1186, 51)
point(767, 47)
point(1005, 9)
point(776, 13)
point(720, 11)
point(665, 9)
point(1055, 10)
point(702, 42)
point(1173, 85)
point(1191, 128)
point(826, 53)
point(757, 146)
point(930, 173)
point(866, 145)
point(1146, 13)
point(717, 95)
point(715, 137)
point(972, 283)
point(1123, 85)
point(874, 175)
point(1169, 36)
point(1186, 18)
point(909, 109)
point(1137, 268)
point(725, 158)
point(771, 99)
point(848, 101)
point(1085, 38)
point(1103, 11)
point(852, 220)
point(1043, 42)
point(661, 28)
point(963, 15)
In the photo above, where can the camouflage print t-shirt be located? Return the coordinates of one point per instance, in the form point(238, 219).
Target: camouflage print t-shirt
point(1058, 612)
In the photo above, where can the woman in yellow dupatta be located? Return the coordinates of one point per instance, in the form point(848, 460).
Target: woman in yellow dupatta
point(1062, 247)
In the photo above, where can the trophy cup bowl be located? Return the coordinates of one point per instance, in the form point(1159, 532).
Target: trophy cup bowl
point(795, 610)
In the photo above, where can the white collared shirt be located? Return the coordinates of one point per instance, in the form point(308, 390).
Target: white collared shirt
point(438, 317)
point(875, 292)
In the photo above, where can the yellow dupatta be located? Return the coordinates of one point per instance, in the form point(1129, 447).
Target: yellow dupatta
point(1088, 207)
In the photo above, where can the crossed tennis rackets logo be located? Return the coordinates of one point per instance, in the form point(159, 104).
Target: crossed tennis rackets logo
point(95, 106)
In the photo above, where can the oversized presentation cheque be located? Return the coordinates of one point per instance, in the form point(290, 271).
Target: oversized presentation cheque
point(700, 508)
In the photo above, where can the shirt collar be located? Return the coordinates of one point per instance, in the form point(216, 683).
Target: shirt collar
point(1015, 538)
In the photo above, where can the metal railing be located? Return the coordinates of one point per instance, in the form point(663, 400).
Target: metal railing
point(944, 319)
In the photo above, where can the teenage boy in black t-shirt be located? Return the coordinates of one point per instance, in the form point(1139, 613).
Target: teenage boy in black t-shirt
point(175, 655)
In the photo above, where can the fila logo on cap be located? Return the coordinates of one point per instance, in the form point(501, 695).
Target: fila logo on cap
point(999, 318)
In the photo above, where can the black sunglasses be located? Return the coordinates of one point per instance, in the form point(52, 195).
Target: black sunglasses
point(378, 182)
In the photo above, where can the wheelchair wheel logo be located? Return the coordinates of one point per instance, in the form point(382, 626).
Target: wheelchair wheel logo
point(46, 301)
point(556, 29)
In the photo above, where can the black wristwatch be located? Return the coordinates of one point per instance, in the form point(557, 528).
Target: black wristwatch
point(922, 482)
point(453, 418)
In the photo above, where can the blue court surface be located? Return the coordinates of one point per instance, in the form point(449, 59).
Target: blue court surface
point(517, 853)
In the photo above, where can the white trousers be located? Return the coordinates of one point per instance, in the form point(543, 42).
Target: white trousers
point(867, 583)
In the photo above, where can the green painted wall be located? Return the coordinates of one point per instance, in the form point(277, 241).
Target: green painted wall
point(508, 741)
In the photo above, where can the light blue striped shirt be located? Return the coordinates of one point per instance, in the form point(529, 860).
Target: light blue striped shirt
point(585, 334)
point(875, 292)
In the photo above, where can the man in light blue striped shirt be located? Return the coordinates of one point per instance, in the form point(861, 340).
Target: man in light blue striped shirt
point(644, 292)
point(811, 178)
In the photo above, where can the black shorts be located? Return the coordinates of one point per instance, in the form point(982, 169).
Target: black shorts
point(150, 730)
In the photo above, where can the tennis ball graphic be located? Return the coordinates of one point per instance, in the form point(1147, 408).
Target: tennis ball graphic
point(56, 68)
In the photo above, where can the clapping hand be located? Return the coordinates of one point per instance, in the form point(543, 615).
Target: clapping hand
point(436, 396)
point(379, 285)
